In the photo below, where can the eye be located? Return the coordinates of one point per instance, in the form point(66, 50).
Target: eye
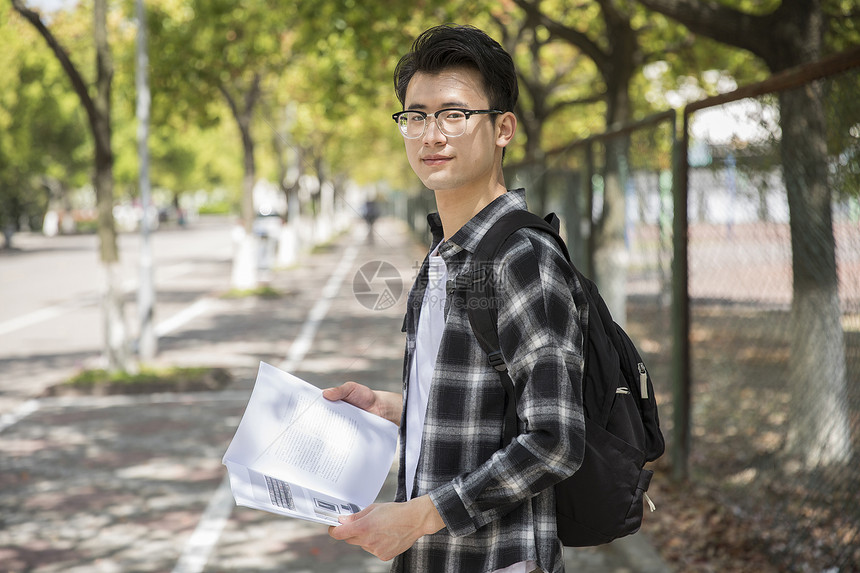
point(453, 115)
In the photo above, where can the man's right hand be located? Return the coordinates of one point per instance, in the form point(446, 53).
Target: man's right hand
point(386, 405)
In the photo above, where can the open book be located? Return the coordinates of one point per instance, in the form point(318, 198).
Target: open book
point(297, 454)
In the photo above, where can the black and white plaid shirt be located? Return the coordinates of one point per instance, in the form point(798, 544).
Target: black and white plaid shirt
point(497, 502)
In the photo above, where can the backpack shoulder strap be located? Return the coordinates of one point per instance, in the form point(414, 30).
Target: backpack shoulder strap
point(483, 316)
point(510, 223)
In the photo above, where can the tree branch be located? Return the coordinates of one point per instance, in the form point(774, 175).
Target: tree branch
point(569, 35)
point(558, 106)
point(231, 102)
point(253, 94)
point(716, 21)
point(78, 83)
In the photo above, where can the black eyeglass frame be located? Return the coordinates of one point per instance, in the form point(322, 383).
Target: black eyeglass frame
point(467, 113)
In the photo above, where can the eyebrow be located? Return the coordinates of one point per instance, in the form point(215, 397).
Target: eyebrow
point(445, 105)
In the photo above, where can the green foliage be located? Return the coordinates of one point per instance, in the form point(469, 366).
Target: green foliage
point(217, 208)
point(43, 134)
point(843, 29)
point(843, 118)
point(330, 63)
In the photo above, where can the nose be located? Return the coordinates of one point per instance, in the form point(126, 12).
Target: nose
point(432, 133)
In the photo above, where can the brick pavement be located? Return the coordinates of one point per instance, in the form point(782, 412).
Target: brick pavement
point(118, 484)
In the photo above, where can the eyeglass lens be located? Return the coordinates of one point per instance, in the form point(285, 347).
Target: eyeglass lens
point(450, 122)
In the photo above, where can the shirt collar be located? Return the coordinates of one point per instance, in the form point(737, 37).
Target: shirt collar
point(470, 234)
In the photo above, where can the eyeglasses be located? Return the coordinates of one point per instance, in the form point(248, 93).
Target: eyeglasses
point(451, 121)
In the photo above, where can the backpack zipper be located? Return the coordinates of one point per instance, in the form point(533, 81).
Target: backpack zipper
point(643, 381)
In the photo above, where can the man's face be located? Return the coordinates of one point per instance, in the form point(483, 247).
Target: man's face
point(468, 162)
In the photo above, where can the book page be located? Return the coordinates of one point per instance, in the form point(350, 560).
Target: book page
point(259, 491)
point(296, 453)
point(318, 440)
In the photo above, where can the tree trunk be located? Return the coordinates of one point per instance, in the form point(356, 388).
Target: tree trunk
point(289, 171)
point(98, 112)
point(819, 426)
point(250, 173)
point(610, 258)
point(244, 275)
point(116, 344)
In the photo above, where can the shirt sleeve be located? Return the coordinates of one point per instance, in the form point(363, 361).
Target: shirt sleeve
point(541, 313)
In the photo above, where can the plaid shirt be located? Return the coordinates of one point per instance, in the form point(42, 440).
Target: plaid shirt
point(497, 501)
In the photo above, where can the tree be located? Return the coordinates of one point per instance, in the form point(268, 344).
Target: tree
point(789, 35)
point(221, 50)
point(554, 77)
point(341, 81)
point(98, 110)
point(612, 44)
point(43, 148)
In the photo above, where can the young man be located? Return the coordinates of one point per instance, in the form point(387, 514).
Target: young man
point(467, 502)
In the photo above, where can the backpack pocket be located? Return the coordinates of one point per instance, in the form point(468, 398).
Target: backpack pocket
point(603, 500)
point(624, 420)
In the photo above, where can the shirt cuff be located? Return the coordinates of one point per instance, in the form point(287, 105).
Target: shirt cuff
point(453, 511)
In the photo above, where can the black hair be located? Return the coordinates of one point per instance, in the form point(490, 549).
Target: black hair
point(451, 45)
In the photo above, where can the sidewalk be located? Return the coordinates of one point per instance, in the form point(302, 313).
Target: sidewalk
point(119, 484)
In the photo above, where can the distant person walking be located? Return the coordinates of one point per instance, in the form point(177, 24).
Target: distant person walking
point(370, 213)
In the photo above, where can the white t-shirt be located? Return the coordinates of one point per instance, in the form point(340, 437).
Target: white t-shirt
point(431, 323)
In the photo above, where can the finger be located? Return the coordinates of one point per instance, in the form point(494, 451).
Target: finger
point(332, 394)
point(362, 513)
point(339, 532)
point(338, 392)
point(355, 394)
point(349, 525)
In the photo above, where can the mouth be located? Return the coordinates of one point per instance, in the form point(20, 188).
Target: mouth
point(434, 160)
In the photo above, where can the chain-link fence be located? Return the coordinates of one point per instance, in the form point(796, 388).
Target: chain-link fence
point(774, 284)
point(773, 316)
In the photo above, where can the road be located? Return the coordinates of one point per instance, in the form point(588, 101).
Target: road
point(50, 317)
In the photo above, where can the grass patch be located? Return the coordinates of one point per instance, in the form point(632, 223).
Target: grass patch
point(265, 291)
point(329, 245)
point(145, 381)
point(217, 208)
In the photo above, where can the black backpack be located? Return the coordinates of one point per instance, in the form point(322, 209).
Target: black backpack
point(603, 500)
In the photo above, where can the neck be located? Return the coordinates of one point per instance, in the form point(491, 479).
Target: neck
point(456, 206)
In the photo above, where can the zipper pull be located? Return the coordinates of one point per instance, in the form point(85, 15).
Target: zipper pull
point(651, 505)
point(643, 381)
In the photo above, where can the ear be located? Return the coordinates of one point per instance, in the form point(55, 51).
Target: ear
point(506, 127)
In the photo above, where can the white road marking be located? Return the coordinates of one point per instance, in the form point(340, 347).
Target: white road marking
point(56, 310)
point(19, 414)
point(182, 317)
point(174, 322)
point(42, 315)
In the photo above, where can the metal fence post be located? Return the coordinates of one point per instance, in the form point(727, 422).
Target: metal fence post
point(681, 379)
point(587, 191)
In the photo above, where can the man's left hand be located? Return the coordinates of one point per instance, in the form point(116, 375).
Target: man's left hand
point(388, 529)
